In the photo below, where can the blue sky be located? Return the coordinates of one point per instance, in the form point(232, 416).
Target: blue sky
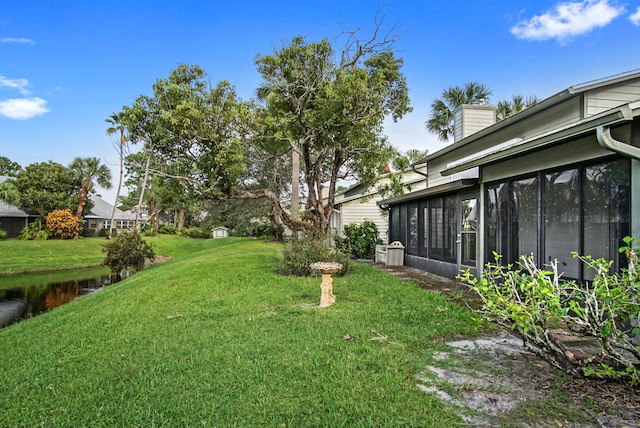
point(65, 65)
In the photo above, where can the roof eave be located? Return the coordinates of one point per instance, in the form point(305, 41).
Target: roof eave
point(431, 191)
point(620, 114)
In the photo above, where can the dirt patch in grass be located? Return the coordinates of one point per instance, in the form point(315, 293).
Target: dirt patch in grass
point(495, 381)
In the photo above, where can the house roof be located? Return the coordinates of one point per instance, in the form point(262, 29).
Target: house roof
point(589, 125)
point(545, 104)
point(431, 191)
point(358, 190)
point(103, 209)
point(8, 210)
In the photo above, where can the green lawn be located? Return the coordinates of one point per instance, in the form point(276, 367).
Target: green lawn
point(40, 256)
point(214, 337)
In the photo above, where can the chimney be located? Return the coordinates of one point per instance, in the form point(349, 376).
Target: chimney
point(471, 118)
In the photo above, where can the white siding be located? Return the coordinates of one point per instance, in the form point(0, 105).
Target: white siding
point(357, 212)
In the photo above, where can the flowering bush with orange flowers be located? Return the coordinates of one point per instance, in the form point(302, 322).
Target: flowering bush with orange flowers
point(63, 224)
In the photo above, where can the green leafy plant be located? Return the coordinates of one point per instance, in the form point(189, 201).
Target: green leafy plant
point(35, 231)
point(87, 232)
point(300, 253)
point(359, 240)
point(542, 308)
point(167, 229)
point(196, 232)
point(3, 235)
point(127, 250)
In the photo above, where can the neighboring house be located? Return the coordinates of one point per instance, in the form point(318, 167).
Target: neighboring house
point(100, 216)
point(12, 218)
point(357, 203)
point(560, 176)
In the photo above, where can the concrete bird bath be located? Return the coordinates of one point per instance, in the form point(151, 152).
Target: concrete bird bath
point(327, 269)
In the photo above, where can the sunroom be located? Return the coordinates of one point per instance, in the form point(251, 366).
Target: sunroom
point(560, 177)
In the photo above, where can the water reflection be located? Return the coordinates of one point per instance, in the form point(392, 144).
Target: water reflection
point(24, 296)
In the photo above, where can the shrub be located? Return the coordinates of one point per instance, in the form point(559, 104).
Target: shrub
point(63, 224)
point(300, 253)
point(360, 240)
point(167, 229)
point(104, 232)
point(35, 231)
point(127, 250)
point(196, 232)
point(87, 232)
point(3, 235)
point(539, 307)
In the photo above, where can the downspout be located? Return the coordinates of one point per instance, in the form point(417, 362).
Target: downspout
point(425, 175)
point(413, 168)
point(606, 141)
point(603, 134)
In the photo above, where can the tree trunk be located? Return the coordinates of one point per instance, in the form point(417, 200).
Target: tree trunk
point(115, 203)
point(152, 215)
point(81, 202)
point(180, 219)
point(144, 185)
point(295, 184)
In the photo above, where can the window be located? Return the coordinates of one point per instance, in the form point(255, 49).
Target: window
point(402, 225)
point(512, 219)
point(582, 209)
point(423, 229)
point(450, 228)
point(412, 238)
point(436, 224)
point(394, 227)
point(468, 233)
point(606, 211)
point(443, 226)
point(562, 219)
point(524, 217)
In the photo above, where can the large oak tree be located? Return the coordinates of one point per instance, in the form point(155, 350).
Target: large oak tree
point(327, 106)
point(330, 106)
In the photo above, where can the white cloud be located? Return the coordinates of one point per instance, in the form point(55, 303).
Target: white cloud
point(568, 19)
point(23, 108)
point(19, 84)
point(18, 40)
point(635, 17)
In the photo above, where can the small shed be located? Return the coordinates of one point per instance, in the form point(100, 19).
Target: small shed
point(220, 232)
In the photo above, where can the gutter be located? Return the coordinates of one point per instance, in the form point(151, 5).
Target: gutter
point(607, 142)
point(413, 168)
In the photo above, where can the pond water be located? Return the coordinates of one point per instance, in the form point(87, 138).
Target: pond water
point(24, 296)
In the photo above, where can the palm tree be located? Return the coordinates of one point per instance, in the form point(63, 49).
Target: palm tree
point(441, 120)
point(115, 120)
point(506, 108)
point(88, 170)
